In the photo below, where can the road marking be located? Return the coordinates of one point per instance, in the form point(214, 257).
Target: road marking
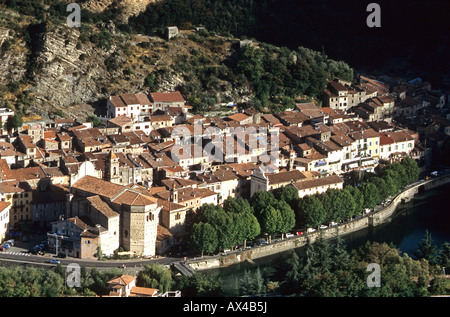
point(17, 253)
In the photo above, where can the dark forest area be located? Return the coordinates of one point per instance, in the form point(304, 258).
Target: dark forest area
point(412, 40)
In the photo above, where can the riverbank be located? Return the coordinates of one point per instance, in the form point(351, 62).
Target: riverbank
point(372, 219)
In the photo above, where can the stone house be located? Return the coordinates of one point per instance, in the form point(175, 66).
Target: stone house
point(138, 212)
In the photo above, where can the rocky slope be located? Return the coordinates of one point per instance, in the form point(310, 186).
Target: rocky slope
point(74, 70)
point(128, 7)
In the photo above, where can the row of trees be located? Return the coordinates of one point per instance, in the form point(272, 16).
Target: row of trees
point(222, 228)
point(239, 220)
point(20, 281)
point(328, 269)
point(279, 211)
point(323, 269)
point(369, 191)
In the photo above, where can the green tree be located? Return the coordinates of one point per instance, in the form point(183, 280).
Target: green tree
point(251, 283)
point(94, 119)
point(288, 194)
point(340, 255)
point(150, 82)
point(260, 200)
point(311, 212)
point(270, 220)
point(200, 285)
point(250, 64)
point(391, 186)
point(155, 276)
point(323, 255)
point(204, 238)
point(348, 205)
point(426, 249)
point(444, 255)
point(370, 195)
point(100, 280)
point(292, 278)
point(438, 286)
point(287, 216)
point(14, 122)
point(357, 198)
point(250, 228)
point(411, 168)
point(223, 223)
point(383, 191)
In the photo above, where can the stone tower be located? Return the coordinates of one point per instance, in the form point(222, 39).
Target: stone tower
point(112, 173)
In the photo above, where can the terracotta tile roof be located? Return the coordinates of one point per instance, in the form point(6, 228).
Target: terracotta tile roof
point(144, 291)
point(120, 121)
point(63, 136)
point(168, 205)
point(385, 140)
point(82, 223)
point(364, 134)
point(337, 86)
point(134, 199)
point(400, 136)
point(167, 97)
point(98, 186)
point(178, 183)
point(143, 99)
point(102, 206)
point(3, 205)
point(239, 117)
point(129, 99)
point(122, 280)
point(322, 181)
point(285, 177)
point(163, 233)
point(117, 102)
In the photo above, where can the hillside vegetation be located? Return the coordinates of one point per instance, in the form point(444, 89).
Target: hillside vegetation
point(52, 70)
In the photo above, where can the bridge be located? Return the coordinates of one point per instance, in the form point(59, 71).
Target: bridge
point(183, 268)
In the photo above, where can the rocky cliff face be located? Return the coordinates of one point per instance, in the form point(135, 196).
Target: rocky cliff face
point(128, 7)
point(71, 72)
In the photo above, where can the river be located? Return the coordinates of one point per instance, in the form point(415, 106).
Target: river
point(428, 211)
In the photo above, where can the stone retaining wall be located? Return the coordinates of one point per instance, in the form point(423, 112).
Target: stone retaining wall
point(365, 221)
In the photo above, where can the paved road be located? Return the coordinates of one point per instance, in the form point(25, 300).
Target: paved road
point(27, 258)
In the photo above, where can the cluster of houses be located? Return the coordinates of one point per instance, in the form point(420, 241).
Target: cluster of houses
point(135, 182)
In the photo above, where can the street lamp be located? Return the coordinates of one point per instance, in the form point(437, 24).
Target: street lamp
point(56, 236)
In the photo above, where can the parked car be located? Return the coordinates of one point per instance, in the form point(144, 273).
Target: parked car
point(311, 229)
point(289, 235)
point(55, 261)
point(6, 245)
point(10, 242)
point(261, 242)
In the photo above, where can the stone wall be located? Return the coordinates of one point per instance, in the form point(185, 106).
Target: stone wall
point(365, 221)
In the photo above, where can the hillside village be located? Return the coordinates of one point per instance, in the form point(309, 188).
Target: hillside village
point(131, 183)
